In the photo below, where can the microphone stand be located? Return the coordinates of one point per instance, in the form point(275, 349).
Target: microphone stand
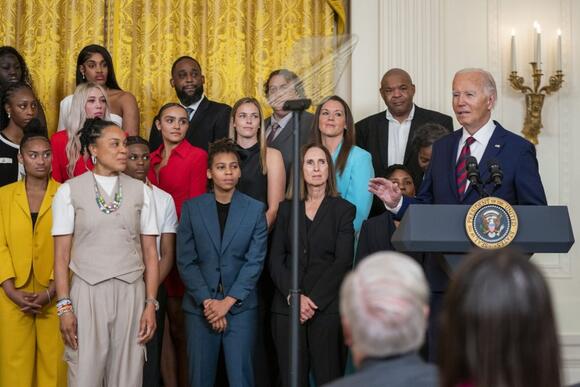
point(295, 106)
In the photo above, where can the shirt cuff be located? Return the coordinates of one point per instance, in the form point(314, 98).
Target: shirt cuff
point(395, 209)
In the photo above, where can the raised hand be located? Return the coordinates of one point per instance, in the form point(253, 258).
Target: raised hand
point(386, 190)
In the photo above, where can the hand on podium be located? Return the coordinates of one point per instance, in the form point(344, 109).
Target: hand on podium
point(386, 190)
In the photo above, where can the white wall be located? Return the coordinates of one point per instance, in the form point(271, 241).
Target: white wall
point(432, 39)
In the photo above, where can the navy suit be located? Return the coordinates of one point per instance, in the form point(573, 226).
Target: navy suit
point(521, 185)
point(204, 259)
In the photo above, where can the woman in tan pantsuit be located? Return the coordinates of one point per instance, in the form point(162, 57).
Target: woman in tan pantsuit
point(105, 229)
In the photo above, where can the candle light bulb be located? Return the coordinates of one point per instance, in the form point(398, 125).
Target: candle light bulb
point(559, 32)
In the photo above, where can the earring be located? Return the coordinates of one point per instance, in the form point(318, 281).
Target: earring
point(8, 115)
point(94, 159)
point(84, 78)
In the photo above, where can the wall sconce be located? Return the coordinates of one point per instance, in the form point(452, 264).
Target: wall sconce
point(535, 96)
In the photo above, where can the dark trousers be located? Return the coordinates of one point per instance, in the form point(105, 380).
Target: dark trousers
point(322, 349)
point(152, 368)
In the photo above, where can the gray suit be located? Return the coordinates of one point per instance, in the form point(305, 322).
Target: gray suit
point(283, 142)
point(400, 371)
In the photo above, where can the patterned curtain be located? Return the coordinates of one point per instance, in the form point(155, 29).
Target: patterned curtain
point(237, 42)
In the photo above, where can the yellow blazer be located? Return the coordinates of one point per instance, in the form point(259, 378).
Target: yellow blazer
point(22, 250)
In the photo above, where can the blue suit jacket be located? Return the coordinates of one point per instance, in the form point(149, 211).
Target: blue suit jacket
point(238, 258)
point(521, 184)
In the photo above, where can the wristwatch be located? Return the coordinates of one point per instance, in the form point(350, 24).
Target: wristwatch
point(154, 302)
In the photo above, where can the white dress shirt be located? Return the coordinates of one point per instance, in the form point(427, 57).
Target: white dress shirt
point(398, 137)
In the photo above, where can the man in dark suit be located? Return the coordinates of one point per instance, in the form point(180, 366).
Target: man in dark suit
point(474, 95)
point(208, 120)
point(388, 135)
point(283, 85)
point(383, 309)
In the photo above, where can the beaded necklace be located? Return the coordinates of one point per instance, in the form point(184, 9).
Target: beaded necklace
point(105, 207)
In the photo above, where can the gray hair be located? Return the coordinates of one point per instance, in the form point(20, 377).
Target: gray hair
point(384, 302)
point(488, 81)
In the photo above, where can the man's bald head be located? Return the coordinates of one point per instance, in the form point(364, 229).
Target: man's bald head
point(397, 90)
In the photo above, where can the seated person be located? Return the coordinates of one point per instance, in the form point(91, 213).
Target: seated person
point(383, 309)
point(498, 325)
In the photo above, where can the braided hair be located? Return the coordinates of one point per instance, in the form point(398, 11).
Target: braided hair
point(5, 96)
point(91, 131)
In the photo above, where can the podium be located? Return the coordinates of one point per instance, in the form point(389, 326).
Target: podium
point(440, 228)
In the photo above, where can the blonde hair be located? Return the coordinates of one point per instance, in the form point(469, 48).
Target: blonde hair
point(261, 132)
point(76, 119)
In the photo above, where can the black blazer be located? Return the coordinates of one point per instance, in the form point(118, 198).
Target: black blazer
point(325, 254)
point(283, 142)
point(372, 134)
point(210, 122)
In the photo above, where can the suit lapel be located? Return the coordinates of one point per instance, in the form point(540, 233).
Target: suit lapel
point(208, 210)
point(415, 122)
point(199, 113)
point(47, 200)
point(383, 131)
point(453, 162)
point(494, 147)
point(21, 199)
point(320, 214)
point(237, 211)
point(285, 133)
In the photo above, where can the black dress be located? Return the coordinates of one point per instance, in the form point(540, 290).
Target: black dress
point(253, 182)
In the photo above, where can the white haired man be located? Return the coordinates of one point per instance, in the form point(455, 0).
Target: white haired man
point(384, 308)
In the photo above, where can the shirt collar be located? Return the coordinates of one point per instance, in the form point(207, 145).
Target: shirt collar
point(482, 135)
point(180, 150)
point(409, 117)
point(283, 121)
point(195, 105)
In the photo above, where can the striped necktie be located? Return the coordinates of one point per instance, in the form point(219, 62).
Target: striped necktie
point(272, 135)
point(460, 170)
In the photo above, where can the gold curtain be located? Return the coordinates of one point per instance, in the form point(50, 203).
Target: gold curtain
point(237, 43)
point(49, 34)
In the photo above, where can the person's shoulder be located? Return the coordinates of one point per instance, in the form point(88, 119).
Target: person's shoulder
point(372, 118)
point(253, 204)
point(513, 138)
point(340, 205)
point(9, 189)
point(59, 138)
point(66, 101)
point(359, 153)
point(215, 105)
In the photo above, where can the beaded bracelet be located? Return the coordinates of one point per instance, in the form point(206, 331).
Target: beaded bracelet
point(64, 309)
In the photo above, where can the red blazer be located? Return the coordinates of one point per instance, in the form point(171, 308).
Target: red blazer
point(60, 160)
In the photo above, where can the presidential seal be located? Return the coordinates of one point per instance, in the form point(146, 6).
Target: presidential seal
point(491, 223)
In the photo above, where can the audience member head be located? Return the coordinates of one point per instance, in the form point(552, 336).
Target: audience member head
point(138, 159)
point(401, 175)
point(474, 95)
point(334, 119)
point(223, 166)
point(18, 105)
point(282, 85)
point(423, 141)
point(247, 125)
point(106, 145)
point(89, 100)
point(498, 325)
point(384, 306)
point(94, 64)
point(187, 79)
point(35, 152)
point(172, 121)
point(316, 172)
point(13, 68)
point(398, 90)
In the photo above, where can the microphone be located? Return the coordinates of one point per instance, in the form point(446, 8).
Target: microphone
point(495, 172)
point(472, 170)
point(297, 104)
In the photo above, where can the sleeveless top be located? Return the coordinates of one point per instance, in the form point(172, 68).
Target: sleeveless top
point(106, 246)
point(253, 182)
